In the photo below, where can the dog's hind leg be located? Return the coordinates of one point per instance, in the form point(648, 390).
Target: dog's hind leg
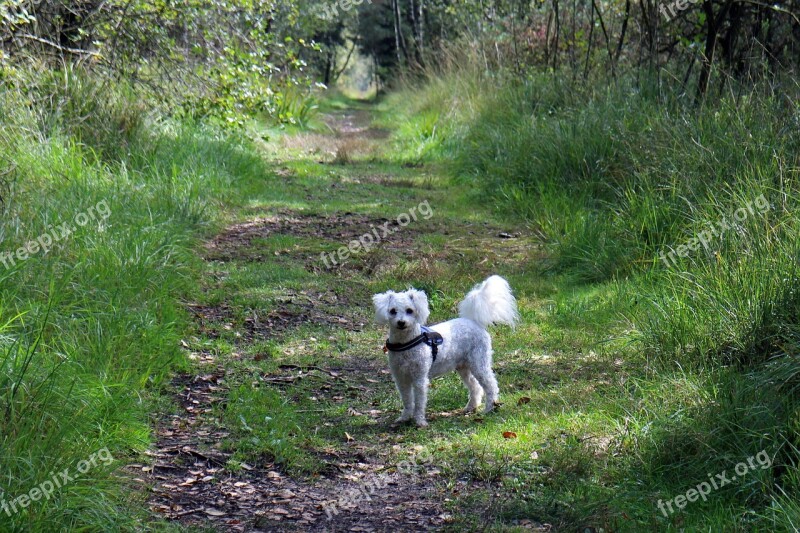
point(486, 378)
point(474, 388)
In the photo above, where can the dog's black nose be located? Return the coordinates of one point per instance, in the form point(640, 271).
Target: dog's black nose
point(401, 324)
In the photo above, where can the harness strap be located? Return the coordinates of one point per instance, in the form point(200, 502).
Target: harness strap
point(428, 336)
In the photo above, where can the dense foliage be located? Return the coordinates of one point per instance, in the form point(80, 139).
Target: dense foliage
point(257, 56)
point(222, 59)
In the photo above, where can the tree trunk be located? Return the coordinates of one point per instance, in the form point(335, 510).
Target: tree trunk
point(589, 46)
point(421, 20)
point(415, 32)
point(623, 30)
point(605, 36)
point(557, 29)
point(398, 30)
point(711, 45)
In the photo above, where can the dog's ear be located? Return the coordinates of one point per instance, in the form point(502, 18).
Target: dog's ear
point(420, 300)
point(381, 303)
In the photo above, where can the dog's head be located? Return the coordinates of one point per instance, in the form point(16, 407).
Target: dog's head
point(401, 310)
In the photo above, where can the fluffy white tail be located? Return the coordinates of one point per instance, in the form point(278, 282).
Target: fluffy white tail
point(490, 302)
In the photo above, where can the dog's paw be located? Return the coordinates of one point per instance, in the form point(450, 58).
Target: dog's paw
point(402, 420)
point(492, 406)
point(421, 423)
point(468, 409)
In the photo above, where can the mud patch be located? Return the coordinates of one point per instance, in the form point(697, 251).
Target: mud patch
point(238, 241)
point(485, 247)
point(390, 180)
point(355, 123)
point(289, 311)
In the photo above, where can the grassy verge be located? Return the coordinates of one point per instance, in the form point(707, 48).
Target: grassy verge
point(91, 321)
point(678, 226)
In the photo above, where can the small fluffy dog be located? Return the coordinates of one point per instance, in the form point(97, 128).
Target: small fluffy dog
point(465, 345)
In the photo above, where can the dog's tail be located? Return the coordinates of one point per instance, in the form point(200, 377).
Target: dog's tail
point(490, 302)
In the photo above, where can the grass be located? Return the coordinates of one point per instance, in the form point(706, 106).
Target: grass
point(91, 328)
point(610, 179)
point(627, 382)
point(559, 381)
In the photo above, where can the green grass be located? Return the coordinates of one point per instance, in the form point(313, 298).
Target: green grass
point(609, 178)
point(91, 328)
point(627, 382)
point(567, 342)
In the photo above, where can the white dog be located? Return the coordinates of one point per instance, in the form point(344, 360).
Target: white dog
point(417, 353)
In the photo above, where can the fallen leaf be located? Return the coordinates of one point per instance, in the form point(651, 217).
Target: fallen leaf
point(523, 400)
point(509, 435)
point(349, 438)
point(213, 512)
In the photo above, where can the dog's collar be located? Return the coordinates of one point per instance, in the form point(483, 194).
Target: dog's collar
point(428, 336)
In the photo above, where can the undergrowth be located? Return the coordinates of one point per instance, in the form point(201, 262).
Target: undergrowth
point(90, 322)
point(691, 213)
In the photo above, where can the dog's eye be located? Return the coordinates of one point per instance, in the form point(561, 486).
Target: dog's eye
point(410, 311)
point(392, 312)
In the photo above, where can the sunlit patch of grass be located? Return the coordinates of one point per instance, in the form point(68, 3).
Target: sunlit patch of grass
point(268, 427)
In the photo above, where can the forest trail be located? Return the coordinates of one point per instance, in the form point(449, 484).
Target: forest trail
point(216, 468)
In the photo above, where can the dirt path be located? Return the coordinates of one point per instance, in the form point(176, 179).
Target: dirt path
point(188, 477)
point(192, 486)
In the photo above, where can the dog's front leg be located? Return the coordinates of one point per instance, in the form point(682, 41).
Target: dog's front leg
point(420, 401)
point(407, 396)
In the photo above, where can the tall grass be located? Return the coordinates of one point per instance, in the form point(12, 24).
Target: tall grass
point(88, 328)
point(614, 178)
